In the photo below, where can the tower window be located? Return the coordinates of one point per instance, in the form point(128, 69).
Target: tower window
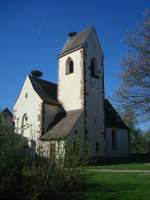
point(114, 140)
point(69, 66)
point(94, 68)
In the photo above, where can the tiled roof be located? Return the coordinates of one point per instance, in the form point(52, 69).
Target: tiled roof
point(112, 118)
point(61, 129)
point(75, 41)
point(46, 90)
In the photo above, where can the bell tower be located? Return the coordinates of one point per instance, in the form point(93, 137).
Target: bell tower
point(70, 74)
point(81, 84)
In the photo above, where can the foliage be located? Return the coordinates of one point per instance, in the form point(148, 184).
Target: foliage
point(146, 136)
point(26, 177)
point(12, 158)
point(136, 137)
point(134, 92)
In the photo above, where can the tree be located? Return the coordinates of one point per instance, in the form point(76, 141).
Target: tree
point(134, 92)
point(137, 140)
point(147, 140)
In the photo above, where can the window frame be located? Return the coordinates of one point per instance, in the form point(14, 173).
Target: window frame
point(94, 68)
point(114, 139)
point(26, 95)
point(69, 66)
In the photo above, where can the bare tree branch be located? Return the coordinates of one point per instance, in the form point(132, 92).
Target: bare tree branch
point(134, 91)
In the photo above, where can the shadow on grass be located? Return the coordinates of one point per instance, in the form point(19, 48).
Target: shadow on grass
point(111, 186)
point(116, 191)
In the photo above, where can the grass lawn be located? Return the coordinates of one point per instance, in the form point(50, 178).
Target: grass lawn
point(115, 186)
point(130, 166)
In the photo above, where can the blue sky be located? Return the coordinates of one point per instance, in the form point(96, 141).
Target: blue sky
point(32, 32)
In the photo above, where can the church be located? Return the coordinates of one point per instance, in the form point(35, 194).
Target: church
point(74, 109)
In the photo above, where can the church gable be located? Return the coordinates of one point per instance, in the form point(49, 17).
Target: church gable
point(27, 111)
point(27, 92)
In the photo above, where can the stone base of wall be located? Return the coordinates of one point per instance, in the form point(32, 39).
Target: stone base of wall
point(132, 158)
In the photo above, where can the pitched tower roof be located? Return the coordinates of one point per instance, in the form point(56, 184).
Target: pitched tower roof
point(75, 41)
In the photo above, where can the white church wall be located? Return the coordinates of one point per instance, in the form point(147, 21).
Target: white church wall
point(95, 98)
point(59, 152)
point(70, 85)
point(122, 143)
point(28, 103)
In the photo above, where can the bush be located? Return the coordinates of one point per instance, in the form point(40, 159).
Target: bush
point(39, 178)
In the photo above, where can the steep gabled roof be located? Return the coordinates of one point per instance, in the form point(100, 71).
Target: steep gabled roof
point(46, 90)
point(75, 41)
point(61, 129)
point(112, 118)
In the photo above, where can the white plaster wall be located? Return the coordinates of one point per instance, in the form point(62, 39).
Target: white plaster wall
point(121, 142)
point(59, 148)
point(32, 105)
point(95, 97)
point(69, 86)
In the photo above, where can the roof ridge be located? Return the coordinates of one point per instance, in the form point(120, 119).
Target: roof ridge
point(42, 79)
point(46, 90)
point(77, 110)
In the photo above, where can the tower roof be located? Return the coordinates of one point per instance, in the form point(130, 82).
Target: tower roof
point(75, 41)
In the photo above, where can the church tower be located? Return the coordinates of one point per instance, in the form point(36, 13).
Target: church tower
point(70, 73)
point(81, 84)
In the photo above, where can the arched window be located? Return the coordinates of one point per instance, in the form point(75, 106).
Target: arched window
point(69, 66)
point(114, 140)
point(94, 68)
point(24, 123)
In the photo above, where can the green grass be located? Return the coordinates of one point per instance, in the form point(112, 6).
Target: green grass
point(130, 166)
point(115, 186)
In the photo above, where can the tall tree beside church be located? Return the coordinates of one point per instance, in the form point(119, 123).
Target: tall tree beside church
point(147, 139)
point(137, 140)
point(134, 92)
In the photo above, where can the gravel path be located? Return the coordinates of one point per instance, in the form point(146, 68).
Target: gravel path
point(121, 171)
